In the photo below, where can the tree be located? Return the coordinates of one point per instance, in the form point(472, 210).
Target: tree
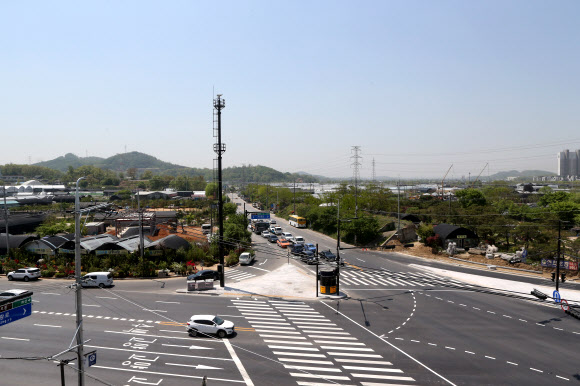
point(132, 173)
point(211, 190)
point(470, 197)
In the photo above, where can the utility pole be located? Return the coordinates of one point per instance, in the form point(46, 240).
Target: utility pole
point(399, 205)
point(140, 226)
point(356, 164)
point(558, 257)
point(294, 199)
point(338, 249)
point(219, 148)
point(6, 224)
point(79, 296)
point(374, 174)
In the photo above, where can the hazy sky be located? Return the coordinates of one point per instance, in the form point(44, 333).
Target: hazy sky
point(418, 85)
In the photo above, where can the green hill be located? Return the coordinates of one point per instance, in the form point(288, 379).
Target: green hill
point(523, 173)
point(142, 162)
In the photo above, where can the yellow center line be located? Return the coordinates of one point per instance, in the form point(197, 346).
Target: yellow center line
point(354, 266)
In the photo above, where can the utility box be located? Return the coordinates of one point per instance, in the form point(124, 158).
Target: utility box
point(328, 281)
point(199, 285)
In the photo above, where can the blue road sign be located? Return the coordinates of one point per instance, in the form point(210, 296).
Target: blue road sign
point(15, 314)
point(556, 296)
point(260, 216)
point(91, 358)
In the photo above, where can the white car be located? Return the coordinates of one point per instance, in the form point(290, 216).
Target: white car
point(299, 240)
point(25, 274)
point(265, 234)
point(272, 221)
point(246, 258)
point(209, 324)
point(8, 294)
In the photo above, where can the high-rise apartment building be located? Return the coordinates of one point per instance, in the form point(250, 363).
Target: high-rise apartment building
point(569, 163)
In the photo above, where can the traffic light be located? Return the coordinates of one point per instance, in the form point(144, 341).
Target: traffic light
point(563, 277)
point(553, 276)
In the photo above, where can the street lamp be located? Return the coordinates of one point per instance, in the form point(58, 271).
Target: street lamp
point(79, 311)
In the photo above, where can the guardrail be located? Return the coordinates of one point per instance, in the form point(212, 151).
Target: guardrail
point(488, 265)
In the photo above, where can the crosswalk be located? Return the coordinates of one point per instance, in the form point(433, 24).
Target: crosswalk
point(314, 350)
point(385, 278)
point(238, 275)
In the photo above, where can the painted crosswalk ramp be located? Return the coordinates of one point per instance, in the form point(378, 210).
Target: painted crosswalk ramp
point(314, 350)
point(238, 275)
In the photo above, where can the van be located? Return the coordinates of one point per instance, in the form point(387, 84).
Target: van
point(206, 228)
point(97, 279)
point(246, 258)
point(278, 230)
point(288, 236)
point(299, 240)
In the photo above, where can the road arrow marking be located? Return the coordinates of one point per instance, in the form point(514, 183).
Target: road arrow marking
point(199, 367)
point(192, 347)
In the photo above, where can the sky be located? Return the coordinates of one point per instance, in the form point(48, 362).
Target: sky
point(417, 85)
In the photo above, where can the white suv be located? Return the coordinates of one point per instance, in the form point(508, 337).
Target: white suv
point(24, 274)
point(209, 324)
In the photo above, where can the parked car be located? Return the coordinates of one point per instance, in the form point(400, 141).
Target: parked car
point(273, 238)
point(265, 234)
point(11, 293)
point(310, 247)
point(296, 249)
point(283, 243)
point(209, 324)
point(246, 258)
point(205, 274)
point(327, 255)
point(25, 274)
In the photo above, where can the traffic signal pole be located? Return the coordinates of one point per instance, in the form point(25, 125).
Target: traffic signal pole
point(558, 257)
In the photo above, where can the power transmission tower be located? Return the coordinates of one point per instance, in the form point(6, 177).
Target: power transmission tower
point(219, 148)
point(374, 174)
point(356, 175)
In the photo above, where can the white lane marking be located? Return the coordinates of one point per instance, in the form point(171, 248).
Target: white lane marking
point(263, 262)
point(491, 312)
point(173, 374)
point(390, 377)
point(556, 328)
point(470, 352)
point(392, 345)
point(512, 363)
point(293, 348)
point(335, 342)
point(330, 377)
point(276, 331)
point(198, 367)
point(378, 369)
point(507, 316)
point(416, 341)
point(299, 354)
point(261, 269)
point(285, 337)
point(432, 344)
point(332, 337)
point(539, 371)
point(475, 308)
point(90, 305)
point(47, 325)
point(566, 379)
point(488, 357)
point(540, 324)
point(160, 301)
point(522, 320)
point(349, 354)
point(238, 363)
point(248, 301)
point(346, 348)
point(7, 337)
point(348, 360)
point(450, 348)
point(105, 297)
point(306, 361)
point(311, 368)
point(49, 293)
point(146, 309)
point(286, 342)
point(360, 259)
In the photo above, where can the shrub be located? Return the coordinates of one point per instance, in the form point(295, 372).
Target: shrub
point(232, 259)
point(60, 275)
point(47, 272)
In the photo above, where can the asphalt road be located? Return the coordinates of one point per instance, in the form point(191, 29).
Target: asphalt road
point(399, 325)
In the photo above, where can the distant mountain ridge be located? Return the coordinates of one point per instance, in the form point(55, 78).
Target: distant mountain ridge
point(523, 173)
point(141, 162)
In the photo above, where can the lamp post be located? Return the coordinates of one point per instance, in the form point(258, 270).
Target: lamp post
point(338, 261)
point(79, 298)
point(6, 224)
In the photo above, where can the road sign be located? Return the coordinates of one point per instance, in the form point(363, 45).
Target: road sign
point(15, 313)
point(564, 305)
point(91, 358)
point(260, 216)
point(556, 296)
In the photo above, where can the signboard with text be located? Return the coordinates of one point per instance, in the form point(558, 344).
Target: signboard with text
point(15, 313)
point(569, 265)
point(260, 216)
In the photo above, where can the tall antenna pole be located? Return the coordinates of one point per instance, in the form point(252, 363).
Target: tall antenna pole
point(356, 164)
point(219, 148)
point(6, 224)
point(79, 292)
point(374, 174)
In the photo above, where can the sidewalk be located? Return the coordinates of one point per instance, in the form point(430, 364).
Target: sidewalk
point(522, 288)
point(287, 281)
